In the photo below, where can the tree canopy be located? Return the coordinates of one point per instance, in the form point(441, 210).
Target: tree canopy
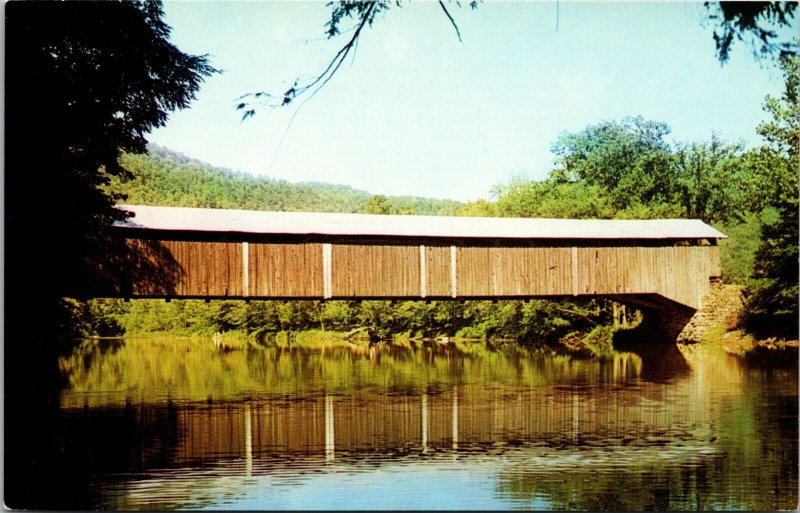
point(168, 178)
point(85, 81)
point(757, 23)
point(627, 169)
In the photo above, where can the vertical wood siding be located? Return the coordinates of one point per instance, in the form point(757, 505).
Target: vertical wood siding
point(514, 271)
point(375, 271)
point(437, 271)
point(285, 270)
point(680, 273)
point(481, 416)
point(210, 268)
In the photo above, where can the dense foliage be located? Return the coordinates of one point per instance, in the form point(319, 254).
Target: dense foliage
point(626, 169)
point(773, 304)
point(532, 322)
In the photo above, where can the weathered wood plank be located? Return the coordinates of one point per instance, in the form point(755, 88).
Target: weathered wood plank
point(375, 271)
point(298, 270)
point(286, 270)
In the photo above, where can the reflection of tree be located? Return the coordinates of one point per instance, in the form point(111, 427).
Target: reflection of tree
point(120, 440)
point(193, 369)
point(644, 486)
point(661, 362)
point(746, 459)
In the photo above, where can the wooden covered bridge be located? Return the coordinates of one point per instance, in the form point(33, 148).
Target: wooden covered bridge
point(224, 254)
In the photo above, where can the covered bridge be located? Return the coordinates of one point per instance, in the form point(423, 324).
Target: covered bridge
point(214, 253)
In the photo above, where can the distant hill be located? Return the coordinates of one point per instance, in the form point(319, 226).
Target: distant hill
point(168, 178)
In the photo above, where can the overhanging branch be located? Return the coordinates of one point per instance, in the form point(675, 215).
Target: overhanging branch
point(366, 11)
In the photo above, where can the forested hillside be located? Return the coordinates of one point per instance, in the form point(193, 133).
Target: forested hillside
point(168, 178)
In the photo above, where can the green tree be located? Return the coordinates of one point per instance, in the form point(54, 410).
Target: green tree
point(629, 160)
point(772, 308)
point(758, 23)
point(165, 177)
point(377, 204)
point(85, 82)
point(712, 181)
point(552, 199)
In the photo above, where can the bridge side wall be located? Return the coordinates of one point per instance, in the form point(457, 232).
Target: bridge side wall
point(284, 270)
point(375, 271)
point(208, 269)
point(348, 270)
point(680, 273)
point(514, 271)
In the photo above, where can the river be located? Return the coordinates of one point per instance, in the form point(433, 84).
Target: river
point(169, 423)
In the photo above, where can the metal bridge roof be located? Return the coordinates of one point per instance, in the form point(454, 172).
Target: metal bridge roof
point(307, 223)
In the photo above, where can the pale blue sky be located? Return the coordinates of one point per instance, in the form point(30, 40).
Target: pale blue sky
point(416, 112)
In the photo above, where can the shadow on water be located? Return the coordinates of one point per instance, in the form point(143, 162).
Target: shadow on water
point(763, 358)
point(660, 362)
point(40, 473)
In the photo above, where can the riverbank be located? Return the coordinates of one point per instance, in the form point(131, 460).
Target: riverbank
point(739, 343)
point(719, 324)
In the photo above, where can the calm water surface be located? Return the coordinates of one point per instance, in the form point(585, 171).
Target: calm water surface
point(170, 423)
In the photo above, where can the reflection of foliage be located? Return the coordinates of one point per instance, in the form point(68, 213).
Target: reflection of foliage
point(570, 434)
point(150, 369)
point(744, 462)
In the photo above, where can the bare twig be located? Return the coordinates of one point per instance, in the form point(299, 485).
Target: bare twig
point(367, 10)
point(452, 21)
point(246, 101)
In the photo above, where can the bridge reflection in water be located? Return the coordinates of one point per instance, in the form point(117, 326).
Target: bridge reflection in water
point(528, 420)
point(329, 426)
